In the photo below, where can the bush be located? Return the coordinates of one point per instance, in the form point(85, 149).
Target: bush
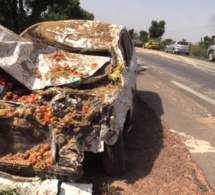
point(198, 51)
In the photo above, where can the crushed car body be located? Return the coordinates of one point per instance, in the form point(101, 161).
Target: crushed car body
point(66, 87)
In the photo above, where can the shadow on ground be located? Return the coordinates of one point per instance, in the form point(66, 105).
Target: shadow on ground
point(153, 100)
point(143, 145)
point(157, 161)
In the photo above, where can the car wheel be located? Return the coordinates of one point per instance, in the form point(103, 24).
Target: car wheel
point(187, 54)
point(211, 56)
point(166, 50)
point(114, 157)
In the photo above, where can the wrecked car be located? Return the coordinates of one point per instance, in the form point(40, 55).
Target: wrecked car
point(66, 87)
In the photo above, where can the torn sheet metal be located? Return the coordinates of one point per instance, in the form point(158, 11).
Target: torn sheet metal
point(34, 187)
point(7, 35)
point(75, 189)
point(21, 60)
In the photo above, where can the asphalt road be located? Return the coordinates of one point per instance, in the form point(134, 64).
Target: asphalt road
point(181, 90)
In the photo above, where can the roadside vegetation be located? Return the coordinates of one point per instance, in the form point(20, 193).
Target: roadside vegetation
point(199, 51)
point(156, 31)
point(17, 15)
point(22, 14)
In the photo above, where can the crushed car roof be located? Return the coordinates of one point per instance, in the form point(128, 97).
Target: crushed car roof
point(75, 33)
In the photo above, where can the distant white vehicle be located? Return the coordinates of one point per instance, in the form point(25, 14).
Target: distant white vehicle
point(177, 47)
point(211, 53)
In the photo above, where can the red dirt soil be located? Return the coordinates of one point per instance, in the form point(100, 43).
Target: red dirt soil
point(157, 162)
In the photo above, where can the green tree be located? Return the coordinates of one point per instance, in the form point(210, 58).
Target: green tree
point(206, 41)
point(135, 36)
point(66, 9)
point(17, 15)
point(157, 29)
point(144, 36)
point(166, 41)
point(213, 38)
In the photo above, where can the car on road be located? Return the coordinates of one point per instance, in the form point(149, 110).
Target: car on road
point(66, 88)
point(152, 45)
point(177, 47)
point(138, 43)
point(211, 53)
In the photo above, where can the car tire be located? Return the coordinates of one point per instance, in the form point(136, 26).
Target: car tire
point(114, 157)
point(211, 56)
point(187, 54)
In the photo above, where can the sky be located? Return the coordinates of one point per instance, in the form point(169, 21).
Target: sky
point(185, 19)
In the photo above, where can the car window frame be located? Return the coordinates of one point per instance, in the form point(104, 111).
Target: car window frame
point(127, 47)
point(182, 43)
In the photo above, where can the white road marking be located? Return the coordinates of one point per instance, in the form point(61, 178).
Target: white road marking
point(195, 145)
point(194, 92)
point(206, 70)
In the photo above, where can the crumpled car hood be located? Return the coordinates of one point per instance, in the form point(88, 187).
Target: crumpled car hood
point(37, 66)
